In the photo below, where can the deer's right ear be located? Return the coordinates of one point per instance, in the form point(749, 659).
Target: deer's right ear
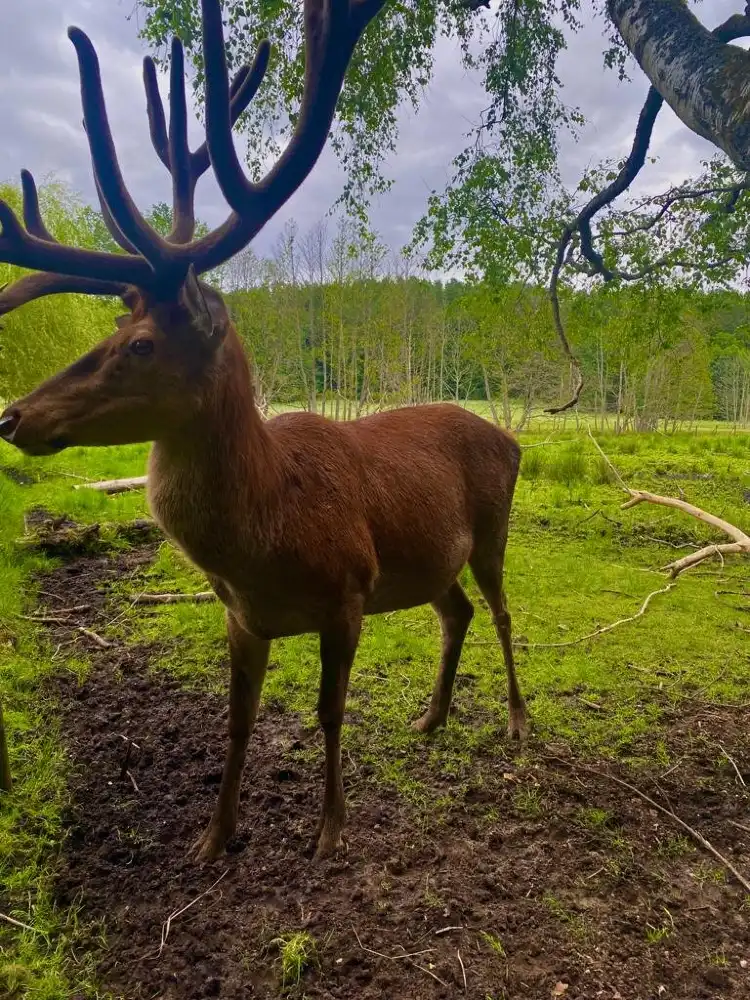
point(207, 312)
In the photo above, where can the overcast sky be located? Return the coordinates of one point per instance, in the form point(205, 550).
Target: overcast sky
point(41, 117)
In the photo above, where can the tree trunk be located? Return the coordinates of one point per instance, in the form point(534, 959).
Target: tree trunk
point(704, 80)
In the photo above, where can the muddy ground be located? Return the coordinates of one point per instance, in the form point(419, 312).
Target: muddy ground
point(518, 888)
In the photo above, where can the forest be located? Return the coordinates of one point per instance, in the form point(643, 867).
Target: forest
point(336, 323)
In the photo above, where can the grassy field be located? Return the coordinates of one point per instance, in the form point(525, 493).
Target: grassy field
point(575, 562)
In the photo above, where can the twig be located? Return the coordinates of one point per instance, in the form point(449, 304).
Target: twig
point(698, 837)
point(430, 973)
point(115, 485)
point(167, 925)
point(740, 826)
point(66, 623)
point(17, 923)
point(733, 762)
point(61, 611)
point(591, 635)
point(389, 958)
point(395, 958)
point(200, 597)
point(446, 930)
point(102, 643)
point(135, 785)
point(463, 970)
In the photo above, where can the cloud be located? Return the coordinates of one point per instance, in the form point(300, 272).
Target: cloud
point(40, 118)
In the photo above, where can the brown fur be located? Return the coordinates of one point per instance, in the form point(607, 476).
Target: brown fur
point(300, 523)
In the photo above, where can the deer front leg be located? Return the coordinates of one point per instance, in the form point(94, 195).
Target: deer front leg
point(338, 645)
point(249, 658)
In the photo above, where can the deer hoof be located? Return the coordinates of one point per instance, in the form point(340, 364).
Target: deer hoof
point(329, 845)
point(209, 846)
point(427, 724)
point(518, 729)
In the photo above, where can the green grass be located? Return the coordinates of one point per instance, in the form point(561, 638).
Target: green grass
point(297, 952)
point(575, 562)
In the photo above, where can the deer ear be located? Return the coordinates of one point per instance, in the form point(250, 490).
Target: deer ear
point(205, 307)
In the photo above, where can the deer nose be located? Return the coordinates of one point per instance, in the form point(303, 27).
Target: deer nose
point(9, 422)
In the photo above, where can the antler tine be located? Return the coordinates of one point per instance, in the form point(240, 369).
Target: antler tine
point(129, 220)
point(32, 215)
point(332, 29)
point(35, 286)
point(112, 227)
point(243, 89)
point(183, 181)
point(157, 124)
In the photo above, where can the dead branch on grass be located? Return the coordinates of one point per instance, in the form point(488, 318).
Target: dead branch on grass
point(740, 543)
point(199, 598)
point(17, 923)
point(590, 635)
point(67, 623)
point(695, 834)
point(113, 486)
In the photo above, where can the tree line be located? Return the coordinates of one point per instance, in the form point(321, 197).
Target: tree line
point(336, 323)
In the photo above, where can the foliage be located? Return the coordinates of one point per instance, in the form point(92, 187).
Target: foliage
point(514, 49)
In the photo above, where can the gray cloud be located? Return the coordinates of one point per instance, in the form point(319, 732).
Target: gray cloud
point(41, 115)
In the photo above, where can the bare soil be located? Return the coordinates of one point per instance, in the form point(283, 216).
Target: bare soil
point(515, 888)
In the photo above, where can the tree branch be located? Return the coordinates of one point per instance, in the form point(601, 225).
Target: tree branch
point(737, 26)
point(703, 79)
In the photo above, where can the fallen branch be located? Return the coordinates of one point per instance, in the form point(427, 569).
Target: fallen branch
point(590, 635)
point(67, 623)
point(17, 923)
point(113, 486)
point(199, 598)
point(698, 837)
point(740, 543)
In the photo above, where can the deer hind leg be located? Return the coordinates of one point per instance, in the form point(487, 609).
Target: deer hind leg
point(249, 659)
point(338, 645)
point(455, 611)
point(488, 573)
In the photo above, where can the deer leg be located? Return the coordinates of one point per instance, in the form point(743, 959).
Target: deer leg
point(338, 646)
point(489, 576)
point(455, 611)
point(249, 658)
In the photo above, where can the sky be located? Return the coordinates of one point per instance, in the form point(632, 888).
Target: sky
point(41, 118)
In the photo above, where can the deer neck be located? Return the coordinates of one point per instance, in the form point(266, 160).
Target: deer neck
point(212, 483)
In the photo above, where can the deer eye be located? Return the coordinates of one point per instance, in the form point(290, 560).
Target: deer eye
point(142, 347)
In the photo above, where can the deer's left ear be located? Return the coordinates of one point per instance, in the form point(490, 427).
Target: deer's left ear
point(205, 307)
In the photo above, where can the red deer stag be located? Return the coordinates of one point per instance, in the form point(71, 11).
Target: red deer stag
point(301, 524)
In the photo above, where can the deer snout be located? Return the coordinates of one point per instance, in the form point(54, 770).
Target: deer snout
point(9, 422)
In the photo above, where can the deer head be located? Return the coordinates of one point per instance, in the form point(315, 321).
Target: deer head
point(148, 378)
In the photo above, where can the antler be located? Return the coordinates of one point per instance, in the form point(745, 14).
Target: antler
point(150, 261)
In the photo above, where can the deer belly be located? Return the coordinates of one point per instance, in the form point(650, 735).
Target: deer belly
point(407, 584)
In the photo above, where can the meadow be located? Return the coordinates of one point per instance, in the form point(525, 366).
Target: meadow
point(659, 701)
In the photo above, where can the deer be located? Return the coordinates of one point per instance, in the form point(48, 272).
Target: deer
point(301, 524)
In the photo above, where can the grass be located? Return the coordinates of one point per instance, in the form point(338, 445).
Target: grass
point(297, 952)
point(575, 562)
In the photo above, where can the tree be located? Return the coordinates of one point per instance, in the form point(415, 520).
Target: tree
point(503, 215)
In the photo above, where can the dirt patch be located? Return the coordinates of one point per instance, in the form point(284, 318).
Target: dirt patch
point(536, 880)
